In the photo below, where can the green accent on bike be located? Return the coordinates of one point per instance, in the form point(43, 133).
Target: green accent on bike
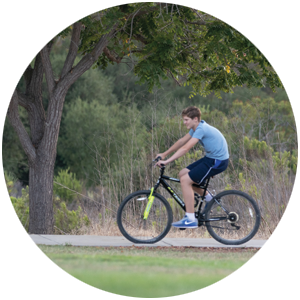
point(149, 204)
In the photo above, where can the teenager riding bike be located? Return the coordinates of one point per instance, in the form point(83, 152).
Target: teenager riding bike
point(214, 162)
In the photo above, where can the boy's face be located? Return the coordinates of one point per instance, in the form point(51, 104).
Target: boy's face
point(190, 123)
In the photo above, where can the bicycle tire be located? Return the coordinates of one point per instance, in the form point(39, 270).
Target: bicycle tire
point(132, 224)
point(240, 225)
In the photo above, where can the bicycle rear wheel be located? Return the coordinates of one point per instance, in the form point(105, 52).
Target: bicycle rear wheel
point(130, 218)
point(234, 217)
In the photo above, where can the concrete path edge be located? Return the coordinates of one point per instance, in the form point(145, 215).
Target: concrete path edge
point(119, 241)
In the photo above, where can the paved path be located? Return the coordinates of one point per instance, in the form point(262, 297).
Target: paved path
point(117, 241)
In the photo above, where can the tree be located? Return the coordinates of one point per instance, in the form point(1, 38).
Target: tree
point(97, 131)
point(158, 41)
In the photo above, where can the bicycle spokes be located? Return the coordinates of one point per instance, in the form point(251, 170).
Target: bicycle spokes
point(143, 221)
point(233, 217)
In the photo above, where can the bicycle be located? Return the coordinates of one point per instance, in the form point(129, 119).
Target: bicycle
point(146, 216)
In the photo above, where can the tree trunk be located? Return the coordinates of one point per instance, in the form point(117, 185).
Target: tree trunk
point(40, 147)
point(41, 172)
point(41, 219)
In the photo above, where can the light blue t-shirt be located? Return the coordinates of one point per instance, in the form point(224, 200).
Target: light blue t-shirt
point(212, 140)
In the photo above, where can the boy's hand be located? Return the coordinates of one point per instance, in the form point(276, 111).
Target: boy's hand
point(161, 163)
point(161, 155)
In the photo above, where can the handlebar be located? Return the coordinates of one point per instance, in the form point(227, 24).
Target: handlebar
point(157, 159)
point(162, 169)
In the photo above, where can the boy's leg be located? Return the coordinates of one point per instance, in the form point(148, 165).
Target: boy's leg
point(194, 173)
point(189, 221)
point(195, 189)
point(187, 192)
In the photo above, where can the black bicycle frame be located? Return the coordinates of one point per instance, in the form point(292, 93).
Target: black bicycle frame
point(162, 181)
point(200, 216)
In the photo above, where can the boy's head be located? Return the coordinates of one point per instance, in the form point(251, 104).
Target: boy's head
point(192, 112)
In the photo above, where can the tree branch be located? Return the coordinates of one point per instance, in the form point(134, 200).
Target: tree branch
point(44, 50)
point(87, 61)
point(111, 57)
point(142, 12)
point(195, 23)
point(36, 80)
point(23, 100)
point(140, 38)
point(176, 81)
point(48, 68)
point(73, 49)
point(195, 11)
point(14, 118)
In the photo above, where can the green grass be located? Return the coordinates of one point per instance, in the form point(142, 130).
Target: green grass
point(147, 272)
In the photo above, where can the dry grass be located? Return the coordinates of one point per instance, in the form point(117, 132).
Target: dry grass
point(270, 184)
point(276, 223)
point(270, 192)
point(113, 230)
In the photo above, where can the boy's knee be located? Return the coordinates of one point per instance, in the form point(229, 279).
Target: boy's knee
point(183, 172)
point(185, 179)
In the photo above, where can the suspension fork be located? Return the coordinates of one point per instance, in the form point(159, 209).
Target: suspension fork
point(151, 199)
point(149, 204)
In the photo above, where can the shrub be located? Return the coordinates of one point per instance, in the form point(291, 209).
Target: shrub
point(69, 221)
point(65, 220)
point(69, 183)
point(15, 213)
point(9, 180)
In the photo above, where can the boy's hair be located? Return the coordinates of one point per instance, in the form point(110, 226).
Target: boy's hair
point(192, 112)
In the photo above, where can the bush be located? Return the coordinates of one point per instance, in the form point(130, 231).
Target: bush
point(93, 130)
point(68, 221)
point(69, 183)
point(9, 180)
point(15, 213)
point(65, 220)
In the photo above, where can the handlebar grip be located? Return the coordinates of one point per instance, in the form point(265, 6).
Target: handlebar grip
point(157, 159)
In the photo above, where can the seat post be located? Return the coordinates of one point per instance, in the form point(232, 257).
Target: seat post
point(198, 213)
point(206, 185)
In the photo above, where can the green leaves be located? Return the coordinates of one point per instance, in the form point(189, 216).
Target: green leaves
point(69, 221)
point(65, 184)
point(15, 212)
point(213, 47)
point(230, 51)
point(159, 61)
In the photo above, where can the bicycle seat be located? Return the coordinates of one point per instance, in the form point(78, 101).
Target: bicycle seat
point(204, 184)
point(201, 186)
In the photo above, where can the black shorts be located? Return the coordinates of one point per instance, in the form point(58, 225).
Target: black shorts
point(206, 167)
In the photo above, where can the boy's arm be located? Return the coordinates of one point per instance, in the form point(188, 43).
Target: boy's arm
point(180, 143)
point(183, 150)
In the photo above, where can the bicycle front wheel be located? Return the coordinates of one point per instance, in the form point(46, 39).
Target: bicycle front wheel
point(134, 227)
point(233, 217)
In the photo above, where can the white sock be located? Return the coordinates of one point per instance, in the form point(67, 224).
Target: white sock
point(208, 197)
point(191, 216)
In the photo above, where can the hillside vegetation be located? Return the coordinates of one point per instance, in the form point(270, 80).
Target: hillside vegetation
point(112, 128)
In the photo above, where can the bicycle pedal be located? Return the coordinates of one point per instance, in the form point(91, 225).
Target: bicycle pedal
point(182, 228)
